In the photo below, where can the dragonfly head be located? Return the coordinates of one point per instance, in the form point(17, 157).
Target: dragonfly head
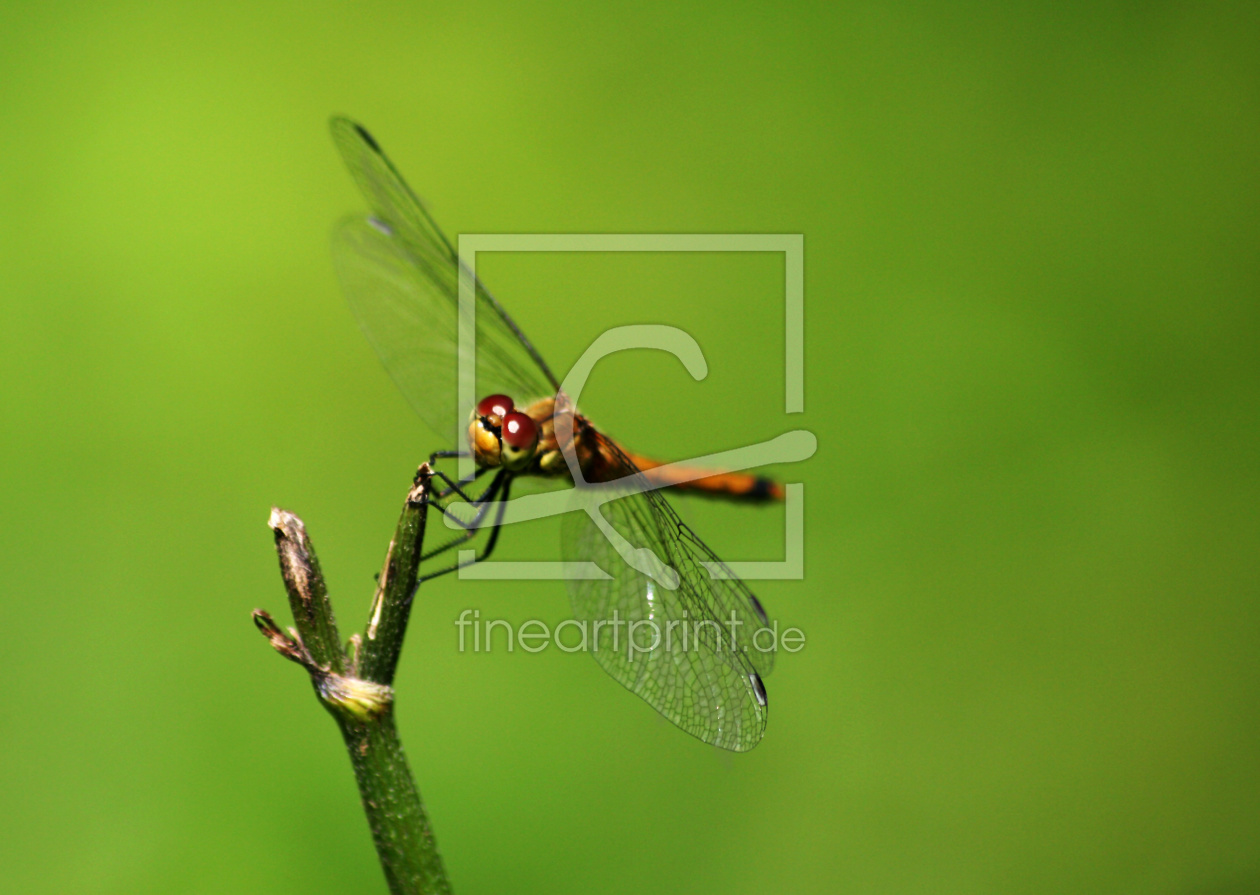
point(500, 435)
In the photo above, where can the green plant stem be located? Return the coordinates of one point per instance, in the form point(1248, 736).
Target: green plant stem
point(308, 595)
point(400, 829)
point(357, 689)
point(395, 589)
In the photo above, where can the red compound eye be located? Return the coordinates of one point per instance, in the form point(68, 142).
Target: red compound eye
point(519, 430)
point(495, 405)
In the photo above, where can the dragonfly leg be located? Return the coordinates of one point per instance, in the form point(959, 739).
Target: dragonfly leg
point(490, 543)
point(453, 487)
point(471, 527)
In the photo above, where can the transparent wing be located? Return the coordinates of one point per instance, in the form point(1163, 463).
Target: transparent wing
point(401, 278)
point(690, 652)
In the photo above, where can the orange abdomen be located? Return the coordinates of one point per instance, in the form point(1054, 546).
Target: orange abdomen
point(734, 485)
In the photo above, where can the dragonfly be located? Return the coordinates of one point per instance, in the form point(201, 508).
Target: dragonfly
point(401, 277)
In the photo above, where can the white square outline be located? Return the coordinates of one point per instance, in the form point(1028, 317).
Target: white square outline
point(792, 245)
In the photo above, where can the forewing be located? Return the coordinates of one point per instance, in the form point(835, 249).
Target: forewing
point(687, 662)
point(401, 278)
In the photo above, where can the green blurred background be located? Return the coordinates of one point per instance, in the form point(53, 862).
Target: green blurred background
point(1031, 530)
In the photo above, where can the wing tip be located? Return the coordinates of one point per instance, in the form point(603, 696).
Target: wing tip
point(759, 689)
point(343, 127)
